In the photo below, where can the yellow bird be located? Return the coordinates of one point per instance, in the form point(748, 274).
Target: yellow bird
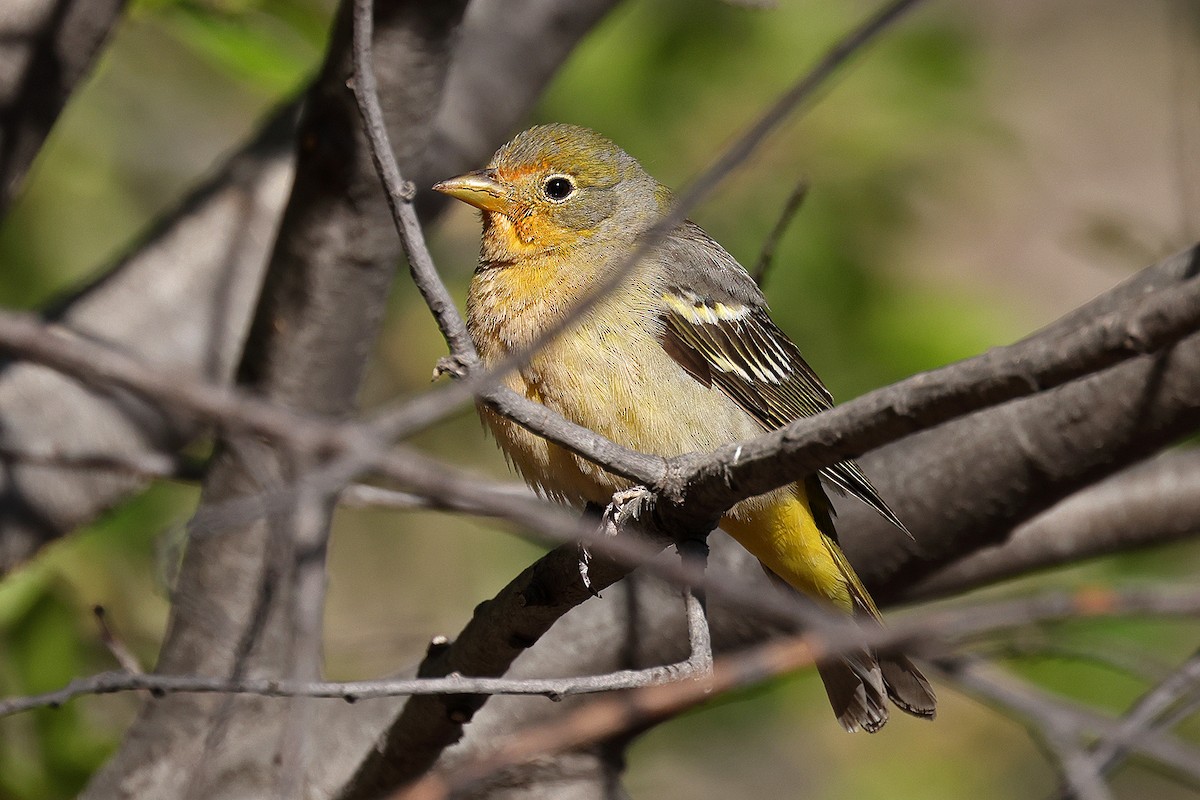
point(681, 357)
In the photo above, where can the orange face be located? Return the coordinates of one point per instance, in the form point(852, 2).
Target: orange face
point(556, 188)
point(521, 207)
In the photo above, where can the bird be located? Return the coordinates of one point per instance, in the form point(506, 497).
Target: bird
point(679, 356)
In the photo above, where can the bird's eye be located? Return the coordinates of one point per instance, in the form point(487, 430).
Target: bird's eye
point(558, 187)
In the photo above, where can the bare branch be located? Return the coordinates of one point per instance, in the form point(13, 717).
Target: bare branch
point(694, 554)
point(46, 49)
point(120, 652)
point(160, 685)
point(1154, 503)
point(1144, 715)
point(607, 716)
point(767, 255)
point(966, 484)
point(362, 495)
point(399, 194)
point(1036, 364)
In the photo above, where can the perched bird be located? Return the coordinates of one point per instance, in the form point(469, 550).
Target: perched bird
point(680, 357)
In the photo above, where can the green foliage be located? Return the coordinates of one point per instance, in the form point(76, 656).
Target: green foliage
point(267, 43)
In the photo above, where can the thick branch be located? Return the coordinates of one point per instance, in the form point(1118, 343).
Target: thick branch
point(1155, 503)
point(966, 485)
point(181, 300)
point(249, 597)
point(705, 484)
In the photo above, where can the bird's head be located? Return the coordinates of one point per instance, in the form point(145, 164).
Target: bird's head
point(557, 187)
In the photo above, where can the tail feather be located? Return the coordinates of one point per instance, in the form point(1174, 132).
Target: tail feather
point(796, 544)
point(860, 684)
point(855, 686)
point(907, 687)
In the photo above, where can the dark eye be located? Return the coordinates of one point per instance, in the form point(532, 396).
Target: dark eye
point(558, 187)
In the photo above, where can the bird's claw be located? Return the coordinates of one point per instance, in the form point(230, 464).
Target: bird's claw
point(585, 565)
point(454, 366)
point(626, 505)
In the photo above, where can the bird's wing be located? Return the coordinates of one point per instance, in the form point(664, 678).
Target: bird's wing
point(717, 328)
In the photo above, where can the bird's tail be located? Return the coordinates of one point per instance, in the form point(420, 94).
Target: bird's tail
point(793, 537)
point(860, 684)
point(856, 691)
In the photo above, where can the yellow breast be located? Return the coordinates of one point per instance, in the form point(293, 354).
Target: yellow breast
point(608, 373)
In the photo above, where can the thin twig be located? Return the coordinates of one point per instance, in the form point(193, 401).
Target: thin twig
point(348, 691)
point(932, 629)
point(399, 192)
point(364, 495)
point(1047, 712)
point(1108, 751)
point(766, 256)
point(119, 650)
point(694, 555)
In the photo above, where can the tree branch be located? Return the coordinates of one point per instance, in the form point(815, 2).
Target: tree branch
point(215, 246)
point(705, 483)
point(1150, 504)
point(249, 597)
point(609, 715)
point(47, 48)
point(965, 485)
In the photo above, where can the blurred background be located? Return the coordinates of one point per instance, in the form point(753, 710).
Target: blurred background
point(985, 168)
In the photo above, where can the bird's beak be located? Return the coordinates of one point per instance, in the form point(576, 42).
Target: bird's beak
point(481, 189)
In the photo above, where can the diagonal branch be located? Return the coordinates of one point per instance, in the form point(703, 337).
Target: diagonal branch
point(706, 483)
point(1150, 504)
point(48, 48)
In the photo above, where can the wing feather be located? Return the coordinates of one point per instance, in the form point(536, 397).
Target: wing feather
point(717, 327)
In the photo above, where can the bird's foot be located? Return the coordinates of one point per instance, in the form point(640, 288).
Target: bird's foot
point(626, 505)
point(454, 366)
